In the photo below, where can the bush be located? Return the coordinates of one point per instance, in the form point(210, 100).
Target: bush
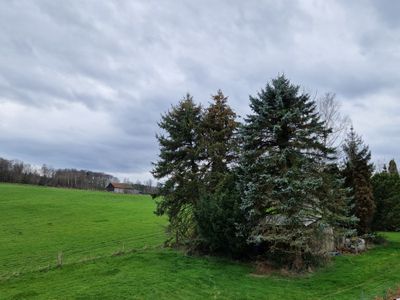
point(387, 199)
point(218, 215)
point(375, 238)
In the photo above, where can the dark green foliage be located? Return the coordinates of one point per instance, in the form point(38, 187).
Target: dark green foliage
point(336, 200)
point(218, 215)
point(179, 164)
point(218, 144)
point(386, 188)
point(283, 185)
point(217, 212)
point(199, 195)
point(268, 190)
point(393, 168)
point(357, 172)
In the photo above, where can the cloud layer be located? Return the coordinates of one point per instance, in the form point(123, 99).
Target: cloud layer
point(83, 83)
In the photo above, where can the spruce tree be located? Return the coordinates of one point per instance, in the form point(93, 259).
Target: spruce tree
point(393, 168)
point(281, 172)
point(358, 171)
point(179, 164)
point(218, 211)
point(219, 145)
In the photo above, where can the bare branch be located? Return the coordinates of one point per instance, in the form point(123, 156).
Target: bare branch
point(329, 110)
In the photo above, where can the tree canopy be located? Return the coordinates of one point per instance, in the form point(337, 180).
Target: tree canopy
point(358, 172)
point(179, 164)
point(386, 187)
point(267, 187)
point(282, 172)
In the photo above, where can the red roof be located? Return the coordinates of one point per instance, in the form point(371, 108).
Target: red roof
point(121, 185)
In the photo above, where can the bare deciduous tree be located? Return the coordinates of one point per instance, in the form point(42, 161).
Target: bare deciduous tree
point(329, 110)
point(19, 172)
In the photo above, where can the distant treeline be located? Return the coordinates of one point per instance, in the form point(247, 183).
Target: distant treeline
point(145, 188)
point(15, 171)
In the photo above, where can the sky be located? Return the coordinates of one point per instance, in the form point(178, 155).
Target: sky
point(83, 83)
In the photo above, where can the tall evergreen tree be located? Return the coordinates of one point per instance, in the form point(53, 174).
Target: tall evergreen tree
point(179, 164)
point(393, 168)
point(218, 128)
point(281, 168)
point(358, 171)
point(218, 211)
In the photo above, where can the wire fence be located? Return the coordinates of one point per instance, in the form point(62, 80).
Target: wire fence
point(16, 264)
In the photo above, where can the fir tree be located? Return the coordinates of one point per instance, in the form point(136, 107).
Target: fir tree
point(358, 171)
point(281, 168)
point(218, 128)
point(393, 168)
point(218, 211)
point(179, 163)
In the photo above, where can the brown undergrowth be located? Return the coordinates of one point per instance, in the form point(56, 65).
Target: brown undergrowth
point(265, 269)
point(390, 294)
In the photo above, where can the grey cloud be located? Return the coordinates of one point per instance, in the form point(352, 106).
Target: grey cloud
point(126, 62)
point(388, 11)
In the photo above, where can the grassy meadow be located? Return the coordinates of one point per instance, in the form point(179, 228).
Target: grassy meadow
point(110, 248)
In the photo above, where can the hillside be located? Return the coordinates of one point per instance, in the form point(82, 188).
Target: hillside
point(110, 249)
point(38, 223)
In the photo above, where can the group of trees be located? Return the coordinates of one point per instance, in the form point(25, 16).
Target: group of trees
point(270, 186)
point(19, 172)
point(15, 171)
point(146, 187)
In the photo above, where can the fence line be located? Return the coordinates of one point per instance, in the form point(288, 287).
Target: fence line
point(106, 243)
point(71, 256)
point(94, 246)
point(74, 256)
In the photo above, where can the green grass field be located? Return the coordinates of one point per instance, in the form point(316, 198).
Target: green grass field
point(36, 224)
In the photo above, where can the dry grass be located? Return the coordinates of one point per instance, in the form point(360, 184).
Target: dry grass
point(390, 295)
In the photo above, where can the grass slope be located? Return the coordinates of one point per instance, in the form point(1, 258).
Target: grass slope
point(91, 220)
point(37, 223)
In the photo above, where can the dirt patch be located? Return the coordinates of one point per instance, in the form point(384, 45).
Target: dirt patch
point(265, 269)
point(390, 295)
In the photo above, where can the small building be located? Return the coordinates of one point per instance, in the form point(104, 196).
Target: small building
point(121, 188)
point(324, 241)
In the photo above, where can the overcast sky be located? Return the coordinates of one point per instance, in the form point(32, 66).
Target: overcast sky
point(83, 83)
